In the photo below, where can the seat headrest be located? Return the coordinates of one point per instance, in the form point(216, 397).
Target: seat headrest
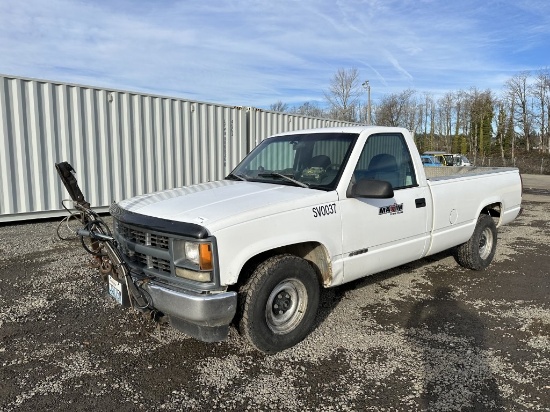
point(320, 161)
point(383, 163)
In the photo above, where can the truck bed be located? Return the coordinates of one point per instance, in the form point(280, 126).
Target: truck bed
point(451, 172)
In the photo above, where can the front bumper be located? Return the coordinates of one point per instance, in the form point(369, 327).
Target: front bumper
point(147, 246)
point(204, 316)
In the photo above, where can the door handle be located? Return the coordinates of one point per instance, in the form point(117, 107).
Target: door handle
point(420, 202)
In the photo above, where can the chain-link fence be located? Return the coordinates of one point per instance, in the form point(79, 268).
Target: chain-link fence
point(531, 164)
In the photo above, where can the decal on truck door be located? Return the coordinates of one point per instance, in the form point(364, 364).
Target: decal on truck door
point(391, 209)
point(324, 210)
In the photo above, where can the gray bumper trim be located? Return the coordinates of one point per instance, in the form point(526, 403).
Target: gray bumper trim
point(204, 310)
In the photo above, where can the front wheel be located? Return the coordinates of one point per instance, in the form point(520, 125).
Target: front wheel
point(278, 303)
point(478, 252)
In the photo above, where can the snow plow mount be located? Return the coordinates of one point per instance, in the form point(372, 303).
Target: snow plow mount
point(97, 239)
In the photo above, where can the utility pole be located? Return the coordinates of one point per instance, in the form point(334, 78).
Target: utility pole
point(366, 85)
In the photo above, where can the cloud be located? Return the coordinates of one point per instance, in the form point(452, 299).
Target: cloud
point(257, 52)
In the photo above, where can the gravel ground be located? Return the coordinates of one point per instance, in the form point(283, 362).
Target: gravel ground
point(429, 335)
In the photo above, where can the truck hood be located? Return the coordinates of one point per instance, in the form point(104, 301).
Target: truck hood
point(223, 203)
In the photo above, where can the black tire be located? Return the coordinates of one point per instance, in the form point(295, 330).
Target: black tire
point(478, 252)
point(278, 303)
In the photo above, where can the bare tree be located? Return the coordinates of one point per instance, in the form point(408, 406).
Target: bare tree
point(343, 94)
point(502, 124)
point(518, 92)
point(309, 109)
point(430, 114)
point(424, 119)
point(398, 110)
point(388, 111)
point(510, 130)
point(459, 113)
point(445, 114)
point(278, 106)
point(412, 121)
point(541, 93)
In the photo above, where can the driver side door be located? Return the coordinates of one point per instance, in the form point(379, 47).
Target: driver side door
point(379, 234)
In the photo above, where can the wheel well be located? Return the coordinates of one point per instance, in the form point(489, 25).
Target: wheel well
point(493, 210)
point(313, 252)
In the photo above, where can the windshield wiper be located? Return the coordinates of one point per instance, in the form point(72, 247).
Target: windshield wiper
point(235, 176)
point(285, 177)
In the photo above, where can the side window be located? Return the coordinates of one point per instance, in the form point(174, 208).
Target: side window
point(386, 157)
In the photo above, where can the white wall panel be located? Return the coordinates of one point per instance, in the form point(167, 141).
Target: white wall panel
point(121, 144)
point(263, 123)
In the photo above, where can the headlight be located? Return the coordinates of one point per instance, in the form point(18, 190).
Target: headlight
point(192, 252)
point(200, 254)
point(194, 260)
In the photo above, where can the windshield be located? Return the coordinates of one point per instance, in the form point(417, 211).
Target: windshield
point(313, 160)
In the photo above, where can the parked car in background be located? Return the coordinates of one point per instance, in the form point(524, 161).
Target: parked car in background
point(430, 161)
point(461, 160)
point(446, 159)
point(449, 159)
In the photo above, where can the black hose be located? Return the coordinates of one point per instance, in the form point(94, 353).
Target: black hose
point(92, 226)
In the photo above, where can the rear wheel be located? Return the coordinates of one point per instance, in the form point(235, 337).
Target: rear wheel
point(478, 252)
point(278, 303)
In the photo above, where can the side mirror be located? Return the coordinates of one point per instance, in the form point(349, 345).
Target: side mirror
point(376, 189)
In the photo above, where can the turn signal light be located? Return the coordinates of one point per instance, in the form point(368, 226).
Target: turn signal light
point(205, 256)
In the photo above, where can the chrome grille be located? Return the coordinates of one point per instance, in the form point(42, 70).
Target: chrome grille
point(142, 237)
point(139, 236)
point(153, 262)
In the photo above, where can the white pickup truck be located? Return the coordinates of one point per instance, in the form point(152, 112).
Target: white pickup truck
point(304, 210)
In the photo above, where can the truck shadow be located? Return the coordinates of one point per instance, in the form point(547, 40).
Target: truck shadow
point(448, 336)
point(330, 298)
point(450, 339)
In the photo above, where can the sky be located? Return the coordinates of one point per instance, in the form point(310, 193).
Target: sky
point(255, 53)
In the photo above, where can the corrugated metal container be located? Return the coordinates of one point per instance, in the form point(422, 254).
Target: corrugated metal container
point(263, 123)
point(121, 143)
